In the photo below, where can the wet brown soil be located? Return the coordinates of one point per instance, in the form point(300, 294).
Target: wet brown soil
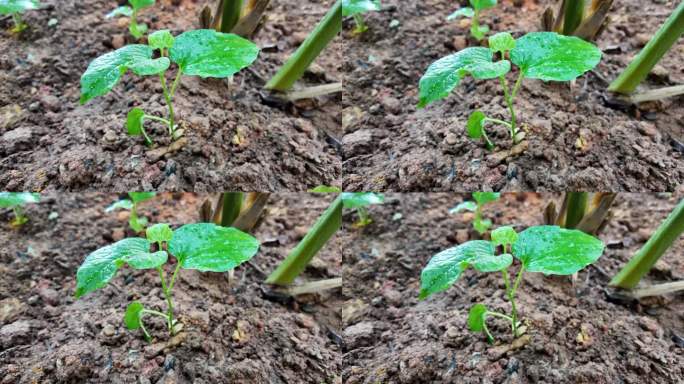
point(575, 139)
point(235, 141)
point(231, 334)
point(576, 335)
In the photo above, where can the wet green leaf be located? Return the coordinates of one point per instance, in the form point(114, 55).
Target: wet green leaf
point(481, 226)
point(475, 125)
point(361, 199)
point(209, 247)
point(160, 39)
point(483, 198)
point(464, 206)
point(492, 263)
point(504, 236)
point(482, 4)
point(446, 267)
point(465, 12)
point(444, 75)
point(140, 4)
point(134, 123)
point(479, 31)
point(132, 315)
point(13, 199)
point(501, 42)
point(137, 30)
point(556, 251)
point(476, 317)
point(17, 6)
point(136, 223)
point(124, 10)
point(325, 189)
point(353, 7)
point(148, 67)
point(138, 197)
point(159, 233)
point(552, 57)
point(207, 53)
point(139, 256)
point(104, 72)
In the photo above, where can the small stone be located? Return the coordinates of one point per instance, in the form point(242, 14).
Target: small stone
point(462, 236)
point(118, 41)
point(240, 334)
point(11, 309)
point(543, 124)
point(495, 353)
point(451, 138)
point(51, 103)
point(651, 325)
point(460, 42)
point(353, 311)
point(15, 333)
point(300, 231)
point(452, 332)
point(305, 321)
point(49, 296)
point(647, 129)
point(153, 350)
point(118, 234)
point(642, 39)
point(393, 297)
point(18, 138)
point(108, 330)
point(391, 104)
point(358, 335)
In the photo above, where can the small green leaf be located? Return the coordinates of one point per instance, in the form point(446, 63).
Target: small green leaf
point(132, 315)
point(483, 198)
point(207, 53)
point(476, 317)
point(14, 199)
point(353, 7)
point(325, 189)
point(160, 39)
point(361, 199)
point(104, 72)
point(17, 6)
point(140, 4)
point(465, 12)
point(556, 251)
point(504, 236)
point(209, 247)
point(147, 67)
point(137, 254)
point(481, 226)
point(124, 10)
point(139, 197)
point(446, 267)
point(159, 233)
point(137, 30)
point(134, 122)
point(479, 31)
point(501, 42)
point(475, 125)
point(552, 57)
point(482, 4)
point(121, 204)
point(136, 223)
point(492, 263)
point(444, 75)
point(464, 206)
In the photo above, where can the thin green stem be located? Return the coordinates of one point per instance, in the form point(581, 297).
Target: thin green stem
point(169, 318)
point(156, 313)
point(475, 27)
point(510, 292)
point(173, 277)
point(155, 118)
point(176, 82)
point(490, 338)
point(364, 218)
point(497, 121)
point(169, 103)
point(518, 83)
point(509, 97)
point(360, 23)
point(501, 315)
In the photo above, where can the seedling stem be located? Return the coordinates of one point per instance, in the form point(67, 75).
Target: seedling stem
point(577, 206)
point(360, 24)
point(574, 13)
point(232, 205)
point(232, 10)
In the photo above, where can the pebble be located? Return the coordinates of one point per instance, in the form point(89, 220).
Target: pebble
point(118, 41)
point(14, 333)
point(49, 296)
point(647, 129)
point(451, 138)
point(11, 309)
point(462, 236)
point(393, 297)
point(108, 330)
point(359, 334)
point(51, 103)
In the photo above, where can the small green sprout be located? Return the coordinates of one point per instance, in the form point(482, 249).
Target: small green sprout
point(546, 56)
point(325, 189)
point(550, 250)
point(356, 9)
point(16, 201)
point(136, 222)
point(16, 8)
point(360, 200)
point(476, 30)
point(202, 52)
point(203, 246)
point(137, 30)
point(481, 198)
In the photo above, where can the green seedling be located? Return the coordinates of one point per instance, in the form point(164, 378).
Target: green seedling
point(16, 201)
point(356, 9)
point(325, 189)
point(550, 250)
point(136, 222)
point(575, 19)
point(359, 201)
point(206, 247)
point(16, 8)
point(546, 56)
point(481, 198)
point(137, 30)
point(476, 6)
point(202, 52)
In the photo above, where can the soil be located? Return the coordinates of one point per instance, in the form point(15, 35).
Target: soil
point(575, 334)
point(576, 139)
point(233, 139)
point(231, 333)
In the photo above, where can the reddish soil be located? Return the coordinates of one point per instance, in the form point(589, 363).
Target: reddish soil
point(50, 142)
point(231, 334)
point(391, 337)
point(575, 140)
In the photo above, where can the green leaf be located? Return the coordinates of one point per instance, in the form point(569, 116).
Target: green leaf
point(492, 263)
point(501, 42)
point(17, 6)
point(483, 198)
point(209, 247)
point(139, 197)
point(504, 236)
point(137, 254)
point(556, 251)
point(159, 233)
point(140, 4)
point(482, 4)
point(353, 7)
point(479, 31)
point(124, 10)
point(443, 75)
point(475, 125)
point(149, 67)
point(104, 72)
point(465, 12)
point(446, 267)
point(132, 315)
point(136, 223)
point(361, 199)
point(160, 39)
point(134, 122)
point(13, 199)
point(464, 206)
point(137, 30)
point(325, 189)
point(476, 317)
point(481, 226)
point(121, 204)
point(552, 57)
point(207, 53)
